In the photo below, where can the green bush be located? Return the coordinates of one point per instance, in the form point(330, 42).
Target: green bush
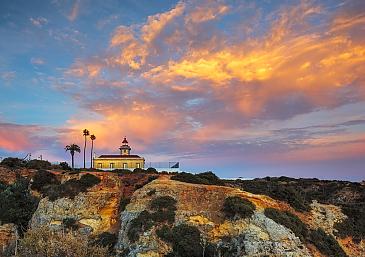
point(326, 244)
point(106, 240)
point(71, 188)
point(121, 171)
point(123, 203)
point(13, 162)
point(70, 224)
point(141, 223)
point(165, 233)
point(151, 192)
point(300, 193)
point(139, 170)
point(288, 220)
point(186, 241)
point(64, 166)
point(42, 179)
point(237, 207)
point(354, 224)
point(89, 180)
point(164, 208)
point(17, 204)
point(38, 164)
point(152, 170)
point(163, 203)
point(206, 178)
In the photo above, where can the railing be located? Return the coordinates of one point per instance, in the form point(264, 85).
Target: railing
point(161, 165)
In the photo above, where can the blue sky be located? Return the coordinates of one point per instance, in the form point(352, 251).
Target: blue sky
point(243, 88)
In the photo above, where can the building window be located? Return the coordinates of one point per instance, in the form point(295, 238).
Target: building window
point(100, 165)
point(125, 165)
point(138, 165)
point(112, 165)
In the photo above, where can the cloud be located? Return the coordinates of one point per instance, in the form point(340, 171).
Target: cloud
point(8, 76)
point(14, 137)
point(39, 21)
point(210, 10)
point(37, 61)
point(204, 89)
point(107, 21)
point(74, 10)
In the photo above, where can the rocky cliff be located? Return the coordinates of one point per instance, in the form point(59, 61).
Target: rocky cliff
point(104, 208)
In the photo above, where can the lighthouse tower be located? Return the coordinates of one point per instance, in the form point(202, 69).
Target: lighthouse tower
point(125, 149)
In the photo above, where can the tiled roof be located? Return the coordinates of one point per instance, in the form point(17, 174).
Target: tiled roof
point(119, 156)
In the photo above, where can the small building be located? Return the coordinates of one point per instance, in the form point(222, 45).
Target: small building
point(124, 160)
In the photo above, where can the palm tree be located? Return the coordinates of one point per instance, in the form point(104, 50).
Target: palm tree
point(85, 133)
point(72, 148)
point(92, 137)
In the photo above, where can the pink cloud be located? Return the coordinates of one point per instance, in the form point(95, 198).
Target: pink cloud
point(173, 80)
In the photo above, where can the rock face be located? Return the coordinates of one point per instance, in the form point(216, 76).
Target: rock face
point(325, 216)
point(201, 205)
point(95, 211)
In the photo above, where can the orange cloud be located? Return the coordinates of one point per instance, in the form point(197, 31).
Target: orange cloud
point(74, 11)
point(209, 11)
point(142, 127)
point(178, 56)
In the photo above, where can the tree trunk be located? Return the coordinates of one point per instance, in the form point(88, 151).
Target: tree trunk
point(91, 157)
point(72, 160)
point(84, 153)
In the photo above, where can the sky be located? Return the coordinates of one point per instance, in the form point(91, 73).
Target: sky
point(242, 88)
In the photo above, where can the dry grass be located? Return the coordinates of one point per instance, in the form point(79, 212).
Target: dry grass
point(43, 242)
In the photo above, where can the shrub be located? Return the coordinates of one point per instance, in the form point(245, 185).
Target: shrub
point(38, 164)
point(13, 162)
point(139, 170)
point(17, 204)
point(43, 178)
point(71, 188)
point(152, 170)
point(326, 244)
point(149, 179)
point(206, 178)
point(89, 180)
point(123, 203)
point(288, 220)
point(122, 171)
point(165, 233)
point(43, 242)
point(186, 241)
point(163, 211)
point(164, 207)
point(354, 224)
point(141, 223)
point(237, 207)
point(70, 223)
point(277, 189)
point(163, 203)
point(151, 192)
point(65, 166)
point(106, 240)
